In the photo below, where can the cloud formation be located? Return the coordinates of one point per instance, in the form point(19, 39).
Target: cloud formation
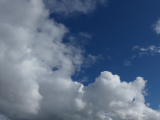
point(3, 117)
point(36, 69)
point(157, 27)
point(71, 6)
point(150, 50)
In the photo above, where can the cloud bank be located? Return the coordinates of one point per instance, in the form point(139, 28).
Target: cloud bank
point(36, 69)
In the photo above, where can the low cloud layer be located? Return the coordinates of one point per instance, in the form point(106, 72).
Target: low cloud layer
point(36, 69)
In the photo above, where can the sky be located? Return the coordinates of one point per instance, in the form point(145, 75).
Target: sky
point(79, 60)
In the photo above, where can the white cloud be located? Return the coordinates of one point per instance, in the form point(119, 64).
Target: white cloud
point(30, 46)
point(71, 6)
point(150, 50)
point(85, 35)
point(157, 27)
point(120, 100)
point(90, 60)
point(36, 69)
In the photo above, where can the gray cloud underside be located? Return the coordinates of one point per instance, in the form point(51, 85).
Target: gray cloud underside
point(36, 69)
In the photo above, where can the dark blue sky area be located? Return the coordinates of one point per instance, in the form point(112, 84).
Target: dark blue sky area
point(115, 30)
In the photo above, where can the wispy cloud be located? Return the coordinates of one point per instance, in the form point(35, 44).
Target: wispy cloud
point(150, 50)
point(127, 63)
point(157, 27)
point(72, 6)
point(85, 35)
point(91, 59)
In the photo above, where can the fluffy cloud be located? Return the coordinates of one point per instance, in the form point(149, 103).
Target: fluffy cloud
point(36, 69)
point(32, 55)
point(71, 6)
point(111, 99)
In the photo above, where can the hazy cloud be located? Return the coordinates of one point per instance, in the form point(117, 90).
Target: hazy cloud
point(91, 59)
point(127, 63)
point(85, 35)
point(157, 27)
point(71, 6)
point(3, 117)
point(150, 50)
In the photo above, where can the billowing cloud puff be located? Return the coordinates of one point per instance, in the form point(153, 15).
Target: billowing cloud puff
point(111, 99)
point(36, 69)
point(31, 54)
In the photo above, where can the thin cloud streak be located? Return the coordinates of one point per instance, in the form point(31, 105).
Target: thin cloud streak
point(150, 50)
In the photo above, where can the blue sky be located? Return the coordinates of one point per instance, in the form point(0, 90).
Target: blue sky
point(79, 60)
point(115, 30)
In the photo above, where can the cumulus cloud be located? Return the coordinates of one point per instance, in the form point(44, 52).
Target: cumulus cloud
point(71, 6)
point(36, 69)
point(111, 99)
point(30, 48)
